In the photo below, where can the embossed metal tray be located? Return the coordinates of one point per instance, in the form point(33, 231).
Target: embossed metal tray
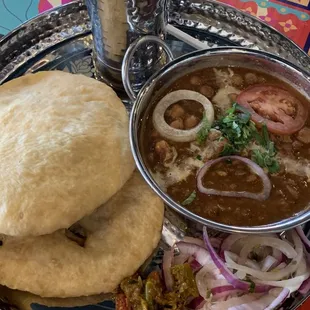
point(61, 39)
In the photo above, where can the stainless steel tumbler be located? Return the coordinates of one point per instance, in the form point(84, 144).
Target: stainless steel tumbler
point(116, 24)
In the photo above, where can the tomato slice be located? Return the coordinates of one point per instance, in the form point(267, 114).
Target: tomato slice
point(277, 108)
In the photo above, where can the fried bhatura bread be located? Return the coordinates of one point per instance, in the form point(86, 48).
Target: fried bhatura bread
point(120, 236)
point(24, 300)
point(64, 149)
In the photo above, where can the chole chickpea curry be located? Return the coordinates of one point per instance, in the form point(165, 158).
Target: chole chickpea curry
point(231, 145)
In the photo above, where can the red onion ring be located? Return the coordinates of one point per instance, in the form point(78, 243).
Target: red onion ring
point(221, 289)
point(263, 195)
point(303, 237)
point(196, 303)
point(305, 287)
point(229, 276)
point(229, 293)
point(195, 265)
point(200, 254)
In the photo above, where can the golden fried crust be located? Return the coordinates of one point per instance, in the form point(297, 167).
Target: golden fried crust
point(23, 300)
point(121, 235)
point(64, 150)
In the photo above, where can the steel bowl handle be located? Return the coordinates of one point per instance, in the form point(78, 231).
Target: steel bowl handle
point(128, 57)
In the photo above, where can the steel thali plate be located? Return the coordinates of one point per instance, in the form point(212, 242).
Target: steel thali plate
point(61, 39)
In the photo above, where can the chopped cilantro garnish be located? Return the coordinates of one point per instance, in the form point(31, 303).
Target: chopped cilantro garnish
point(199, 157)
point(189, 199)
point(266, 158)
point(204, 130)
point(237, 127)
point(252, 287)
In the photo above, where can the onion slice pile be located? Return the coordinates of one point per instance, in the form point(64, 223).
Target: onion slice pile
point(263, 195)
point(179, 135)
point(272, 267)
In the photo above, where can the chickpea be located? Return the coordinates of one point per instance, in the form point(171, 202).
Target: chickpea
point(195, 80)
point(190, 122)
point(222, 173)
point(237, 80)
point(250, 78)
point(177, 124)
point(207, 91)
point(162, 148)
point(176, 111)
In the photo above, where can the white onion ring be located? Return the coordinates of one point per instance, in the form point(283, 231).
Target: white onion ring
point(293, 284)
point(229, 242)
point(274, 275)
point(269, 262)
point(263, 195)
point(248, 262)
point(303, 237)
point(179, 135)
point(253, 241)
point(229, 276)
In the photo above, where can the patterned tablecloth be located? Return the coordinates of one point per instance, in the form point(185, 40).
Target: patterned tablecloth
point(291, 17)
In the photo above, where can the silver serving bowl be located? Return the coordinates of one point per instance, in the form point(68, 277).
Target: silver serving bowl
point(216, 57)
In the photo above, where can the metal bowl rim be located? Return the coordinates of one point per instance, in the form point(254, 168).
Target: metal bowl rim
point(134, 143)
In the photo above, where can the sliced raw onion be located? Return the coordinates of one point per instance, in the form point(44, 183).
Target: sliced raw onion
point(268, 263)
point(302, 268)
point(292, 284)
point(305, 287)
point(179, 135)
point(207, 278)
point(254, 241)
point(195, 265)
point(229, 276)
point(180, 259)
point(303, 237)
point(233, 303)
point(201, 255)
point(229, 242)
point(226, 294)
point(277, 254)
point(249, 263)
point(274, 297)
point(263, 195)
point(196, 303)
point(280, 266)
point(216, 242)
point(166, 265)
point(194, 241)
point(280, 298)
point(221, 289)
point(274, 275)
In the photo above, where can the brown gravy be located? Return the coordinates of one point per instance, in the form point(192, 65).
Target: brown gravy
point(289, 194)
